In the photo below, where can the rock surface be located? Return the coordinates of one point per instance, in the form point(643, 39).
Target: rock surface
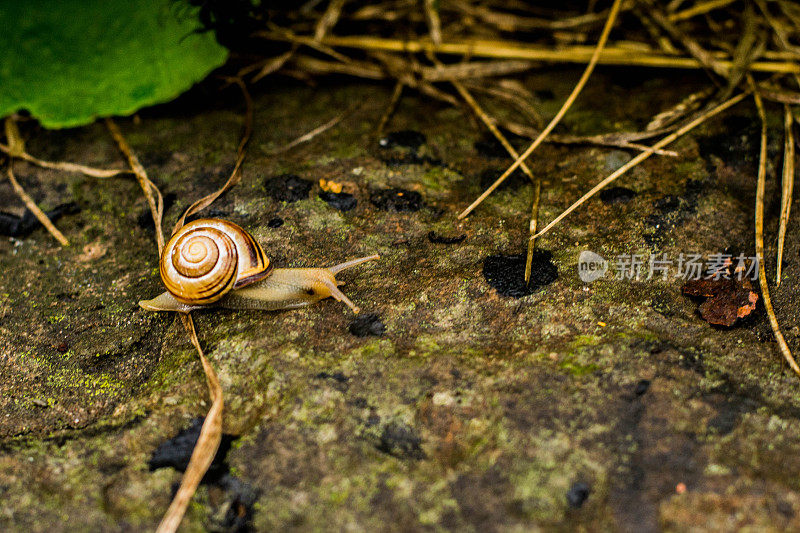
point(470, 410)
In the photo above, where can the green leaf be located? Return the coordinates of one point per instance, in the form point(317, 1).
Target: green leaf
point(70, 61)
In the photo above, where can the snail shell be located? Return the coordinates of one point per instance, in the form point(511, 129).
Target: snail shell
point(207, 258)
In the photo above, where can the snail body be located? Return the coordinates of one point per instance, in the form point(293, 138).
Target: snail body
point(211, 262)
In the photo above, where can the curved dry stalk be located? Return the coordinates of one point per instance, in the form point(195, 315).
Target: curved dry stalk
point(16, 149)
point(787, 186)
point(207, 443)
point(151, 192)
point(642, 156)
point(759, 216)
point(236, 175)
point(612, 17)
point(211, 432)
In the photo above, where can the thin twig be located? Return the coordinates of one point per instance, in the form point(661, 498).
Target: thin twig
point(787, 186)
point(207, 442)
point(393, 101)
point(235, 176)
point(642, 156)
point(619, 56)
point(211, 432)
point(532, 229)
point(33, 208)
point(316, 131)
point(612, 16)
point(151, 192)
point(759, 215)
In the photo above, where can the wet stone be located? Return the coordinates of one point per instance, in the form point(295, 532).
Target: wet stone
point(288, 188)
point(403, 138)
point(442, 239)
point(506, 273)
point(342, 201)
point(366, 325)
point(615, 159)
point(275, 222)
point(577, 494)
point(617, 195)
point(396, 200)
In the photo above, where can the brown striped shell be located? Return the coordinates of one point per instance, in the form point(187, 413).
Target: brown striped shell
point(207, 258)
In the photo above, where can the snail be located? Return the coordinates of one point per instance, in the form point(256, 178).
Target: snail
point(212, 262)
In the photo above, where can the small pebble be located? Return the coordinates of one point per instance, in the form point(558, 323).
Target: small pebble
point(577, 494)
point(615, 159)
point(367, 324)
point(396, 200)
point(342, 201)
point(288, 188)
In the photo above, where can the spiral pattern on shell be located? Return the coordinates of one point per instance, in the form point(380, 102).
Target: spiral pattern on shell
point(207, 258)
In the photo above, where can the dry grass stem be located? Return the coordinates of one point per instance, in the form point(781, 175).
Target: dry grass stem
point(642, 156)
point(700, 8)
point(207, 443)
point(537, 192)
point(390, 109)
point(154, 199)
point(612, 16)
point(316, 131)
point(235, 176)
point(618, 56)
point(787, 186)
point(33, 208)
point(759, 223)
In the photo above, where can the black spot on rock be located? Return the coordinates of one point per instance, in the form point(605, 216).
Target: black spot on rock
point(367, 324)
point(403, 138)
point(339, 379)
point(336, 376)
point(617, 195)
point(515, 180)
point(667, 203)
point(288, 188)
point(211, 213)
point(22, 226)
point(176, 452)
point(145, 218)
point(641, 387)
point(577, 494)
point(397, 200)
point(506, 273)
point(275, 222)
point(401, 441)
point(342, 201)
point(441, 239)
